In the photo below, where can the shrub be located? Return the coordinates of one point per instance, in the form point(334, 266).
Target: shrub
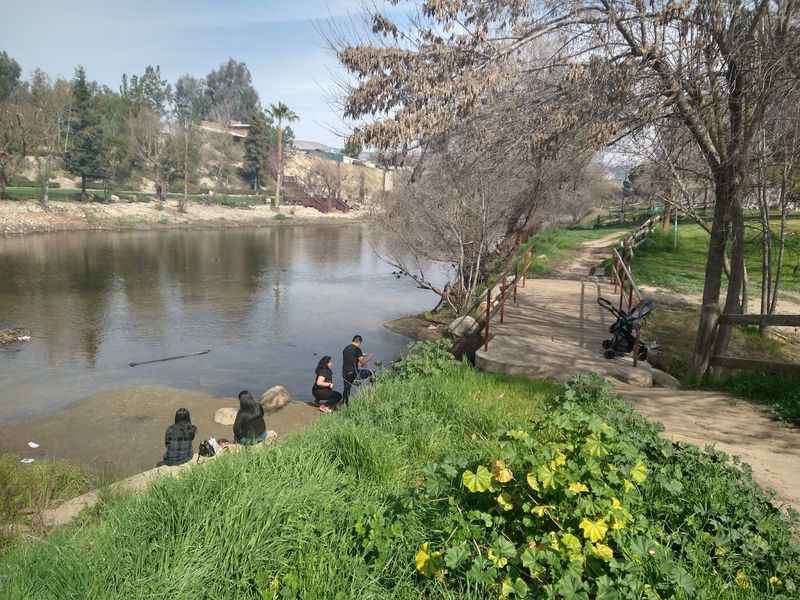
point(426, 359)
point(588, 501)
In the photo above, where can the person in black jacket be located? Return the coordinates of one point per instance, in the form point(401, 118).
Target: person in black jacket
point(249, 427)
point(322, 389)
point(178, 439)
point(353, 362)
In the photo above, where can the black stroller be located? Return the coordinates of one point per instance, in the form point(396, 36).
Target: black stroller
point(625, 330)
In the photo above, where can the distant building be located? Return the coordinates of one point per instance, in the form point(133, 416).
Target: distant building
point(234, 128)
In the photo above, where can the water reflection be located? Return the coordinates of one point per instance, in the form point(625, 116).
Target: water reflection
point(263, 300)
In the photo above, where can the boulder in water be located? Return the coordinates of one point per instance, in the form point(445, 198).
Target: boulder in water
point(12, 336)
point(463, 326)
point(275, 398)
point(225, 416)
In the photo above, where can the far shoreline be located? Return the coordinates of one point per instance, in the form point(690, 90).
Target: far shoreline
point(23, 218)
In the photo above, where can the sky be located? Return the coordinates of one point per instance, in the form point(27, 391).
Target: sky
point(279, 40)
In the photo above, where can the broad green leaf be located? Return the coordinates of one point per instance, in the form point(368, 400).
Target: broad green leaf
point(426, 560)
point(594, 530)
point(480, 481)
point(518, 434)
point(504, 547)
point(528, 558)
point(639, 472)
point(541, 509)
point(456, 555)
point(545, 476)
point(573, 546)
point(531, 478)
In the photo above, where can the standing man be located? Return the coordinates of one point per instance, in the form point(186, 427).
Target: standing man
point(353, 362)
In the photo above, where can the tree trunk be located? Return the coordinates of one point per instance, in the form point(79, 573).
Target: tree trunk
point(44, 180)
point(709, 313)
point(782, 243)
point(736, 282)
point(279, 182)
point(185, 199)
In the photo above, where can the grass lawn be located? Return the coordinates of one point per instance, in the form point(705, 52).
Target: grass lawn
point(682, 269)
point(394, 498)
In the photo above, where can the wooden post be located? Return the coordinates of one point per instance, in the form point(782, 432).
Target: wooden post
point(516, 280)
point(488, 316)
point(503, 300)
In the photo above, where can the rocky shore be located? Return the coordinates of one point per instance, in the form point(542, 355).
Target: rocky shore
point(25, 217)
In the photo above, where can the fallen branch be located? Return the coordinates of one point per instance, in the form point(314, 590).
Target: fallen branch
point(158, 360)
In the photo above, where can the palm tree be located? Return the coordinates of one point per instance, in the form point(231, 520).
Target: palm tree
point(282, 114)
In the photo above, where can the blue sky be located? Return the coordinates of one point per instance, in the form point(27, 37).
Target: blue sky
point(279, 41)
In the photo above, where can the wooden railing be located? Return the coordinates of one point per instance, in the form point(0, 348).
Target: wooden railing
point(323, 205)
point(507, 282)
point(732, 362)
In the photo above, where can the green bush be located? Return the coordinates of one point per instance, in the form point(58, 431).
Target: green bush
point(601, 507)
point(426, 359)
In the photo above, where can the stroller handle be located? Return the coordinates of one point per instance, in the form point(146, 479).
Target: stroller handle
point(608, 306)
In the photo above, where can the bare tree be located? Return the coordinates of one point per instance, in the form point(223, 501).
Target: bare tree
point(150, 147)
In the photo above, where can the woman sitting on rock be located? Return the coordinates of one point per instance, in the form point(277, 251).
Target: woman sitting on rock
point(322, 390)
point(178, 439)
point(249, 427)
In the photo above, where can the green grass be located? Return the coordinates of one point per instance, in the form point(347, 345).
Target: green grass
point(228, 529)
point(339, 511)
point(28, 489)
point(682, 269)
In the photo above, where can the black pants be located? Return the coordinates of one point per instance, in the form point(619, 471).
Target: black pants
point(349, 378)
point(327, 396)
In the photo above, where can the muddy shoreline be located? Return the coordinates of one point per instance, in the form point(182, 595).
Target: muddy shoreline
point(19, 218)
point(119, 433)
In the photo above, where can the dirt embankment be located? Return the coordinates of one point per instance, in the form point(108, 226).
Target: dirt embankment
point(29, 217)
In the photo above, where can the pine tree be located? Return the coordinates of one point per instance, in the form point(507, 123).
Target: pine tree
point(256, 150)
point(84, 157)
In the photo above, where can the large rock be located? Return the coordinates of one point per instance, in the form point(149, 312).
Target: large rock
point(12, 336)
point(463, 326)
point(225, 416)
point(275, 398)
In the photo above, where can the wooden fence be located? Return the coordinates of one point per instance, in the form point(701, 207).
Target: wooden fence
point(773, 366)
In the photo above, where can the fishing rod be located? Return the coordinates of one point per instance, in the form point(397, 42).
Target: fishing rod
point(158, 360)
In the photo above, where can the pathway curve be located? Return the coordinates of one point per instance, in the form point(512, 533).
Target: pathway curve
point(555, 331)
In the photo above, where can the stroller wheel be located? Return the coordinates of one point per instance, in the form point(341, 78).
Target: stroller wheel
point(606, 344)
point(609, 354)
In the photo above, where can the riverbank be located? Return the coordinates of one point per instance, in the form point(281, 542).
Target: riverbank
point(118, 433)
point(416, 491)
point(26, 217)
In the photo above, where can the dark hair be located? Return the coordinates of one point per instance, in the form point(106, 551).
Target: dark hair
point(249, 413)
point(358, 338)
point(182, 416)
point(183, 423)
point(323, 362)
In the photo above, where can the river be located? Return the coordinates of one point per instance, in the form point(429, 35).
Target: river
point(266, 302)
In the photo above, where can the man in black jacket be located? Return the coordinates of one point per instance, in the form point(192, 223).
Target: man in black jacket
point(353, 362)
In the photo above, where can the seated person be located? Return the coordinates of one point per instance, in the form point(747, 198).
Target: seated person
point(178, 439)
point(353, 362)
point(249, 427)
point(322, 390)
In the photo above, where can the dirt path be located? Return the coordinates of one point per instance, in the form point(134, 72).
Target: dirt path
point(555, 330)
point(589, 255)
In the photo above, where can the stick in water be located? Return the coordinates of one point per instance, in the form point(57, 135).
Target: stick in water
point(148, 362)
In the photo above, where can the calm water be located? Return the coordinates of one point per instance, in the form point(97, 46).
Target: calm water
point(267, 302)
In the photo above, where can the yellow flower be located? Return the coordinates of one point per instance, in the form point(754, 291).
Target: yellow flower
point(540, 510)
point(615, 503)
point(561, 459)
point(629, 487)
point(774, 581)
point(594, 530)
point(577, 487)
